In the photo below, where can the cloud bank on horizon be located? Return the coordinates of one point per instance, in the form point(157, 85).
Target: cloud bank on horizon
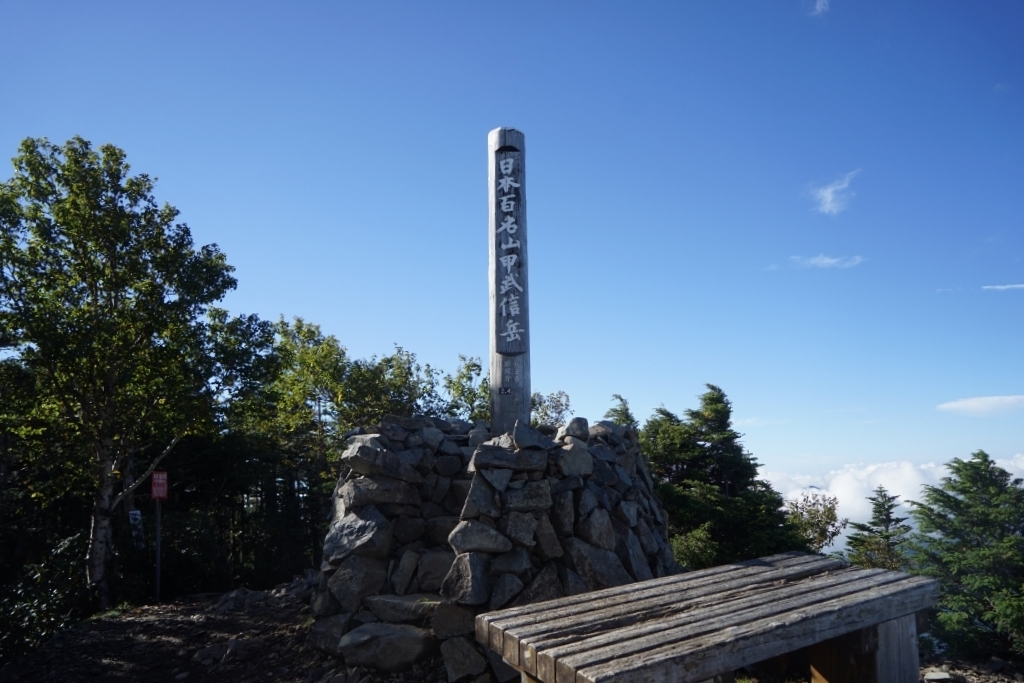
point(983, 405)
point(1002, 288)
point(832, 198)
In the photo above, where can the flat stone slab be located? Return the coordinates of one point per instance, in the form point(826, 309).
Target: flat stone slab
point(415, 608)
point(386, 647)
point(529, 460)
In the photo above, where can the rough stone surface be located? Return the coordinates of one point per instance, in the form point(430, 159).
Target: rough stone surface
point(499, 478)
point(326, 633)
point(408, 529)
point(519, 527)
point(376, 490)
point(505, 588)
point(403, 574)
point(451, 620)
point(596, 529)
point(447, 465)
point(363, 531)
point(578, 427)
point(562, 513)
point(535, 495)
point(470, 536)
point(574, 460)
point(502, 671)
point(356, 578)
point(402, 609)
point(480, 500)
point(525, 436)
point(516, 561)
point(548, 547)
point(597, 567)
point(572, 584)
point(506, 458)
point(469, 580)
point(439, 528)
point(461, 659)
point(386, 647)
point(323, 604)
point(545, 586)
point(433, 567)
point(366, 459)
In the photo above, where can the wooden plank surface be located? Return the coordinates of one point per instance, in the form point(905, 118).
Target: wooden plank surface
point(693, 626)
point(897, 659)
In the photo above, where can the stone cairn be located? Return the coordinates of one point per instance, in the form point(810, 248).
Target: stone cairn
point(436, 521)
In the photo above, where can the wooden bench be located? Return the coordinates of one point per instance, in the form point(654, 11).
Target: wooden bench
point(858, 625)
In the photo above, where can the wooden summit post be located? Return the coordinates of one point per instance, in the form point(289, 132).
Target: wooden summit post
point(507, 274)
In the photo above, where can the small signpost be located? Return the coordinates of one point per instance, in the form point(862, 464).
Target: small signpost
point(507, 274)
point(158, 492)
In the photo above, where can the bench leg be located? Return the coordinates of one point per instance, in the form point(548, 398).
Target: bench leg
point(886, 653)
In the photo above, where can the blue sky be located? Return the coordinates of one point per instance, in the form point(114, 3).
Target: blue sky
point(811, 204)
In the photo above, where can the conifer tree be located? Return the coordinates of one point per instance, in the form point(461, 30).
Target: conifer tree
point(882, 541)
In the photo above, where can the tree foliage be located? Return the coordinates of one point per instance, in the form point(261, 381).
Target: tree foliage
point(553, 409)
point(814, 518)
point(882, 541)
point(971, 538)
point(469, 391)
point(621, 414)
point(709, 486)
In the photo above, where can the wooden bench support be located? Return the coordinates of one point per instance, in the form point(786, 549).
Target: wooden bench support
point(886, 653)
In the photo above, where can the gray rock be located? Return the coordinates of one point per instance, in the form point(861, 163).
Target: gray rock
point(461, 659)
point(525, 436)
point(624, 483)
point(599, 568)
point(505, 588)
point(356, 578)
point(477, 436)
point(447, 465)
point(587, 503)
point(323, 604)
point(572, 584)
point(363, 531)
point(505, 458)
point(627, 512)
point(519, 527)
point(516, 561)
point(501, 441)
point(562, 513)
point(441, 488)
point(460, 491)
point(451, 620)
point(450, 447)
point(471, 536)
point(375, 490)
point(545, 586)
point(646, 537)
point(502, 671)
point(480, 500)
point(326, 634)
point(574, 459)
point(406, 568)
point(408, 529)
point(578, 427)
point(499, 478)
point(567, 484)
point(439, 528)
point(628, 550)
point(548, 547)
point(597, 529)
point(458, 426)
point(601, 494)
point(535, 495)
point(432, 437)
point(433, 567)
point(602, 452)
point(603, 474)
point(392, 431)
point(364, 440)
point(402, 609)
point(386, 647)
point(371, 461)
point(469, 580)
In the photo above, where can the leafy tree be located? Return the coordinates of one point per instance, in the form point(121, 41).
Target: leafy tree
point(882, 541)
point(469, 394)
point(709, 486)
point(621, 414)
point(553, 409)
point(102, 298)
point(971, 538)
point(392, 385)
point(813, 516)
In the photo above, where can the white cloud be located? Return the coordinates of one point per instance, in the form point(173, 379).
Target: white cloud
point(983, 405)
point(1002, 288)
point(822, 261)
point(820, 7)
point(852, 484)
point(832, 198)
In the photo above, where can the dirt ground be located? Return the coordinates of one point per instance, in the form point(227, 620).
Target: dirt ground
point(198, 640)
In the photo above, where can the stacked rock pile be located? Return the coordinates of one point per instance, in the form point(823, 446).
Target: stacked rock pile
point(436, 521)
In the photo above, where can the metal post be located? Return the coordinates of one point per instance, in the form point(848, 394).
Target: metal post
point(158, 550)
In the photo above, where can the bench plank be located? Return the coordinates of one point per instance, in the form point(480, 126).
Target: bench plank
point(726, 646)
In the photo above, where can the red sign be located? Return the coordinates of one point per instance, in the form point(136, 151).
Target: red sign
point(158, 486)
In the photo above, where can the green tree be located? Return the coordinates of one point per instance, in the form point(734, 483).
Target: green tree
point(971, 538)
point(814, 518)
point(708, 484)
point(102, 299)
point(882, 541)
point(621, 414)
point(469, 392)
point(553, 409)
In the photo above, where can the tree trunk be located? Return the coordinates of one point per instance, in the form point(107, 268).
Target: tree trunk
point(100, 538)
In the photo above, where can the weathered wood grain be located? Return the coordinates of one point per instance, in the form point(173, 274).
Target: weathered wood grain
point(727, 646)
point(897, 659)
point(491, 626)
